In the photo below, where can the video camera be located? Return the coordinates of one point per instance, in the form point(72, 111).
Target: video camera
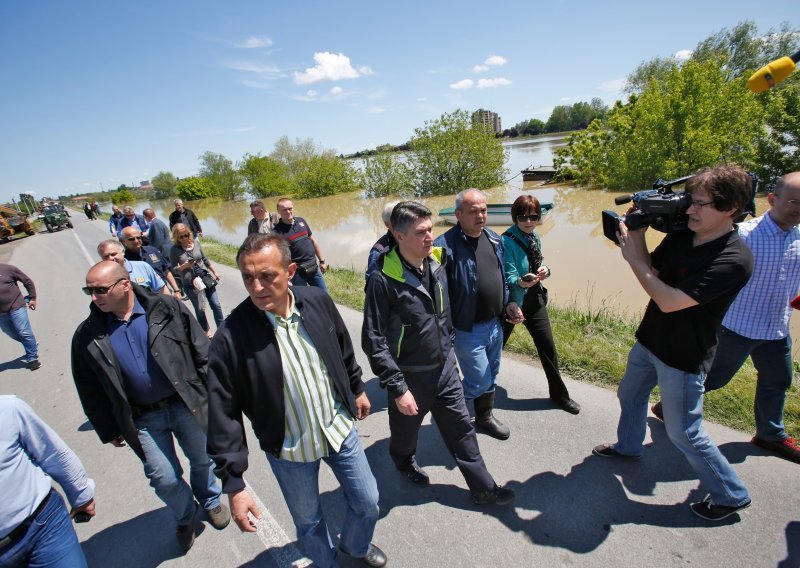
point(662, 208)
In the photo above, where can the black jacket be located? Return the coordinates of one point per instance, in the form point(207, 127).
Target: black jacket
point(245, 376)
point(191, 221)
point(178, 344)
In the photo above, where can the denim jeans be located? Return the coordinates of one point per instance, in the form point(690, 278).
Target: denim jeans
point(162, 467)
point(213, 301)
point(773, 362)
point(16, 325)
point(299, 483)
point(50, 540)
point(315, 280)
point(682, 402)
point(478, 353)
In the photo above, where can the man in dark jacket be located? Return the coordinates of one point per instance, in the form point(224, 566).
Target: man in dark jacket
point(139, 362)
point(131, 239)
point(158, 235)
point(131, 219)
point(14, 307)
point(408, 338)
point(187, 217)
point(284, 359)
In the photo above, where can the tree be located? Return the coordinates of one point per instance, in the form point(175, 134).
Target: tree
point(291, 155)
point(123, 194)
point(192, 188)
point(164, 185)
point(219, 171)
point(266, 177)
point(654, 70)
point(325, 174)
point(385, 174)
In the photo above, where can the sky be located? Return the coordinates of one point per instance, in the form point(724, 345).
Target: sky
point(94, 94)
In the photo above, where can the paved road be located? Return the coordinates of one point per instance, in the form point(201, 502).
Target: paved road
point(571, 508)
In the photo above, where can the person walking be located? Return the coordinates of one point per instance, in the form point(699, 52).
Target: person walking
point(14, 311)
point(304, 246)
point(186, 217)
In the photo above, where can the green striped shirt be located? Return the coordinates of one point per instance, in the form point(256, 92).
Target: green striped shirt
point(316, 418)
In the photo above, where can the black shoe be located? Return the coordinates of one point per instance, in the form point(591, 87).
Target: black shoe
point(608, 451)
point(416, 475)
point(497, 496)
point(33, 365)
point(374, 557)
point(485, 420)
point(570, 406)
point(707, 509)
point(219, 516)
point(657, 411)
point(185, 534)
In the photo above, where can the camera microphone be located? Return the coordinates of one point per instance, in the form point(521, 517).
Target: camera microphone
point(623, 199)
point(772, 73)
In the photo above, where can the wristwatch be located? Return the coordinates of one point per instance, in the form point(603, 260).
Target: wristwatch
point(321, 261)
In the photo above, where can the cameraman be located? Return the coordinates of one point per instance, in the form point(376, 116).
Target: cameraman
point(691, 278)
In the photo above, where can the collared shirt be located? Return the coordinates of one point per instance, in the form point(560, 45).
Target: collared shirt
point(762, 310)
point(316, 419)
point(143, 274)
point(30, 451)
point(145, 382)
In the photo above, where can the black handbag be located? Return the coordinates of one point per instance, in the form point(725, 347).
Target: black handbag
point(309, 268)
point(208, 279)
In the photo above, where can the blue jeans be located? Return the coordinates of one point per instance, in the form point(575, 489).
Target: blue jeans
point(162, 467)
point(213, 301)
point(682, 402)
point(773, 362)
point(50, 540)
point(16, 325)
point(315, 280)
point(478, 353)
point(299, 483)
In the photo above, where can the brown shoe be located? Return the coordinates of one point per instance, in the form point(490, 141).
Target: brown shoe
point(219, 516)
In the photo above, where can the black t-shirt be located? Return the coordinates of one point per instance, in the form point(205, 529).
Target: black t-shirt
point(711, 274)
point(489, 297)
point(299, 236)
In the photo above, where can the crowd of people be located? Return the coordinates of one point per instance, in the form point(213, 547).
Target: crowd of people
point(437, 314)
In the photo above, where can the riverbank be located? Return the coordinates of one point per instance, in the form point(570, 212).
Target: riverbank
point(593, 344)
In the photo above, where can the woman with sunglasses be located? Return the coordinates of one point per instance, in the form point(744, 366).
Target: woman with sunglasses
point(187, 257)
point(525, 270)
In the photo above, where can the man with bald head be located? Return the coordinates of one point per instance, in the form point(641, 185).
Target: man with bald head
point(135, 251)
point(139, 362)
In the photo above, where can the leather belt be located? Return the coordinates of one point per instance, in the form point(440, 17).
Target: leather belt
point(139, 409)
point(22, 528)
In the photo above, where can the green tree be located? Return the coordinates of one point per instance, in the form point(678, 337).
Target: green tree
point(385, 174)
point(265, 176)
point(293, 155)
point(324, 174)
point(123, 194)
point(165, 185)
point(449, 155)
point(192, 188)
point(219, 171)
point(656, 69)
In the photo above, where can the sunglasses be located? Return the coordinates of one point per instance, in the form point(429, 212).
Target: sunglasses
point(133, 238)
point(185, 236)
point(533, 217)
point(100, 290)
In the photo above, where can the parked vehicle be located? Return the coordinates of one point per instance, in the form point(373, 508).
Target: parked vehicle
point(12, 222)
point(55, 217)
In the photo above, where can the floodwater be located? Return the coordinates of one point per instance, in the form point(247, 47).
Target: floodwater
point(587, 268)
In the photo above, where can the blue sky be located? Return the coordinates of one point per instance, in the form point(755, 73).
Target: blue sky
point(99, 93)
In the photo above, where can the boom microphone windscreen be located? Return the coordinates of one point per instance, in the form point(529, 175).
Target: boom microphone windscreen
point(772, 73)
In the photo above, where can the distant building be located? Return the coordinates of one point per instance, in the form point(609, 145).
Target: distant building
point(488, 118)
point(145, 185)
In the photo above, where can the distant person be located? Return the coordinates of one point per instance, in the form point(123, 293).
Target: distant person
point(305, 248)
point(140, 273)
point(525, 271)
point(96, 208)
point(158, 235)
point(262, 221)
point(187, 257)
point(384, 243)
point(186, 217)
point(284, 359)
point(691, 277)
point(14, 311)
point(407, 335)
point(115, 220)
point(131, 219)
point(35, 526)
point(131, 239)
point(88, 211)
point(139, 362)
point(479, 300)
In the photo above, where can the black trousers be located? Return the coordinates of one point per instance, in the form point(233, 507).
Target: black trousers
point(440, 393)
point(537, 322)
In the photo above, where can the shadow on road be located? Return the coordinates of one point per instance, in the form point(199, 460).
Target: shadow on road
point(792, 559)
point(13, 364)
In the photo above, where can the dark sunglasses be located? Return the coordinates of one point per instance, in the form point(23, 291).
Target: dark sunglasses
point(133, 238)
point(533, 217)
point(100, 290)
point(185, 235)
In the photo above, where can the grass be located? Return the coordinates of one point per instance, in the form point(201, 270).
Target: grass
point(593, 344)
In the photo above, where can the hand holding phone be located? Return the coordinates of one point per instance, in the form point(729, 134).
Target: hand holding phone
point(528, 278)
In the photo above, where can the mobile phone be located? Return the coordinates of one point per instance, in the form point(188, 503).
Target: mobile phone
point(82, 517)
point(528, 278)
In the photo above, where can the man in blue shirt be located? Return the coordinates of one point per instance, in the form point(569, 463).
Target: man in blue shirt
point(35, 527)
point(139, 272)
point(305, 248)
point(135, 251)
point(131, 219)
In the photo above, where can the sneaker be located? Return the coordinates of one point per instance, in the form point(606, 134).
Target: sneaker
point(787, 447)
point(417, 475)
point(497, 496)
point(375, 557)
point(33, 365)
point(608, 451)
point(219, 516)
point(657, 411)
point(708, 510)
point(185, 534)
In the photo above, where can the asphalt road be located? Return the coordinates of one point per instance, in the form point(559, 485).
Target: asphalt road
point(571, 508)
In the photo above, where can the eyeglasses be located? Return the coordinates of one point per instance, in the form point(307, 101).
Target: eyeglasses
point(133, 238)
point(792, 202)
point(100, 290)
point(533, 217)
point(700, 204)
point(185, 236)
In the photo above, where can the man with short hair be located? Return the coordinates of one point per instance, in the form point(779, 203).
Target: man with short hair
point(691, 277)
point(262, 221)
point(14, 311)
point(305, 248)
point(139, 362)
point(383, 244)
point(140, 273)
point(479, 299)
point(131, 219)
point(131, 239)
point(115, 219)
point(187, 217)
point(284, 359)
point(407, 336)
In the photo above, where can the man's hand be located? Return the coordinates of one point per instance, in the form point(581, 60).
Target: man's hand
point(407, 404)
point(87, 508)
point(363, 406)
point(632, 244)
point(241, 504)
point(32, 303)
point(514, 313)
point(323, 266)
point(118, 442)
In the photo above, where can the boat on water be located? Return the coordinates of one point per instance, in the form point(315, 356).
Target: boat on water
point(542, 173)
point(496, 213)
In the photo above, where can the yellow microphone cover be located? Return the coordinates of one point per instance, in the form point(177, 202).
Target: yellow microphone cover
point(771, 74)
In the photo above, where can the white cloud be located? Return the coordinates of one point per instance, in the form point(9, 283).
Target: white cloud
point(253, 42)
point(330, 67)
point(422, 100)
point(253, 67)
point(462, 84)
point(492, 83)
point(480, 68)
point(311, 93)
point(612, 86)
point(495, 60)
point(337, 90)
point(376, 110)
point(683, 54)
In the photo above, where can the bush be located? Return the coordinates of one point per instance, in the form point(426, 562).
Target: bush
point(192, 188)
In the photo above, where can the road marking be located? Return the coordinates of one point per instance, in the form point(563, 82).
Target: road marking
point(275, 540)
point(85, 252)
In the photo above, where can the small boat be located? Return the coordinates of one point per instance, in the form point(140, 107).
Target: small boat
point(542, 173)
point(497, 213)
